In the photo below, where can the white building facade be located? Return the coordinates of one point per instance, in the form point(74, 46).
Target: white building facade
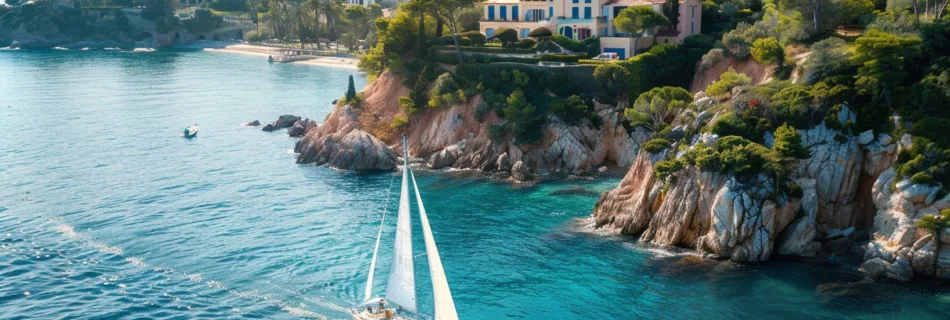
point(581, 19)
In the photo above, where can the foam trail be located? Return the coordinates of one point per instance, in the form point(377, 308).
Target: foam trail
point(297, 311)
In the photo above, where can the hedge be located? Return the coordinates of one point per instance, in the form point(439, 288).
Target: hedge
point(563, 81)
point(497, 50)
point(594, 62)
point(567, 58)
point(449, 57)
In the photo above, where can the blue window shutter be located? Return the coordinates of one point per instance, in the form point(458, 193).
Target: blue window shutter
point(575, 13)
point(514, 13)
point(586, 1)
point(575, 1)
point(503, 12)
point(550, 12)
point(491, 13)
point(586, 12)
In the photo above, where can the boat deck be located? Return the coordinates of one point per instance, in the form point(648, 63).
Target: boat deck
point(366, 315)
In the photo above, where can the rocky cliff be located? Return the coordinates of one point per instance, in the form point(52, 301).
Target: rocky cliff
point(452, 137)
point(847, 192)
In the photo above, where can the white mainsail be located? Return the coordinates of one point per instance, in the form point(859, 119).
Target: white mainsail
point(401, 288)
point(444, 305)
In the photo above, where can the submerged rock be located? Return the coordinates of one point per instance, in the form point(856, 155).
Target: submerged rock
point(900, 270)
point(520, 172)
point(254, 123)
point(283, 122)
point(874, 268)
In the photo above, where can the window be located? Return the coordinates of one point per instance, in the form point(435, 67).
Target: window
point(575, 13)
point(692, 30)
point(575, 1)
point(491, 13)
point(514, 13)
point(503, 12)
point(550, 12)
point(693, 11)
point(586, 1)
point(535, 15)
point(525, 32)
point(586, 12)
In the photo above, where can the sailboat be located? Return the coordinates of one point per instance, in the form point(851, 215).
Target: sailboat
point(400, 296)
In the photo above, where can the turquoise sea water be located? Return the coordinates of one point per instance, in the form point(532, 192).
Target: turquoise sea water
point(106, 213)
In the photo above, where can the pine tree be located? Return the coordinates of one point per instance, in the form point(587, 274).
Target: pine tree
point(351, 90)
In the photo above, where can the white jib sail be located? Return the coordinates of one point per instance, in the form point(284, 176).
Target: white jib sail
point(401, 288)
point(379, 235)
point(444, 305)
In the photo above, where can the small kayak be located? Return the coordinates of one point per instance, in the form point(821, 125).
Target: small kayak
point(190, 132)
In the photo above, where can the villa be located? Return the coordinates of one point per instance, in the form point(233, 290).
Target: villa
point(581, 19)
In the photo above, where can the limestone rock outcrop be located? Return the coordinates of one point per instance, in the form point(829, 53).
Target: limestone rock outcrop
point(744, 221)
point(301, 127)
point(905, 249)
point(339, 143)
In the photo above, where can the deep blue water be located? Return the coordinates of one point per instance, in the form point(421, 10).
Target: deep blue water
point(106, 213)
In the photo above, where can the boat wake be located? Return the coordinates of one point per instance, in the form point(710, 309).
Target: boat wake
point(296, 310)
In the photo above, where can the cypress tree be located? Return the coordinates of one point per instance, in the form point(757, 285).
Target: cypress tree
point(351, 90)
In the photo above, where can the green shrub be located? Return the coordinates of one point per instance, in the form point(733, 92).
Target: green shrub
point(570, 110)
point(589, 46)
point(667, 167)
point(526, 119)
point(922, 178)
point(768, 50)
point(935, 223)
point(612, 82)
point(540, 33)
point(795, 191)
point(507, 36)
point(729, 124)
point(656, 145)
point(400, 123)
point(445, 83)
point(728, 80)
point(526, 43)
point(481, 110)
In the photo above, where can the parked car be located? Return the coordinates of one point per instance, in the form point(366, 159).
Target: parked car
point(607, 56)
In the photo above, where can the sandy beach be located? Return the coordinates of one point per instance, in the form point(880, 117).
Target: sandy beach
point(263, 51)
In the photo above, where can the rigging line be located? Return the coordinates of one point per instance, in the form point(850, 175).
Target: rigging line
point(372, 266)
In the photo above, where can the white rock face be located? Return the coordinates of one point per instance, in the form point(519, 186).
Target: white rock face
point(729, 219)
point(799, 237)
point(836, 169)
point(896, 240)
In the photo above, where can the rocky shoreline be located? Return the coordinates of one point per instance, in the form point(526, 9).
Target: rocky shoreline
point(847, 193)
point(452, 138)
